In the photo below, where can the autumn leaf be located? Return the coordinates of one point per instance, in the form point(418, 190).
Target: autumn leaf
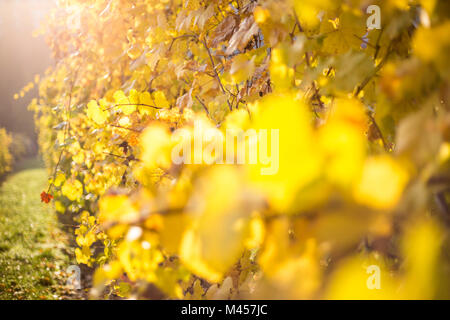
point(46, 197)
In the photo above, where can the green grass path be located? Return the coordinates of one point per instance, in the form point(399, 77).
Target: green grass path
point(33, 249)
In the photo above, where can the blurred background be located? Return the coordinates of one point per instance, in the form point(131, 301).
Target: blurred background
point(22, 56)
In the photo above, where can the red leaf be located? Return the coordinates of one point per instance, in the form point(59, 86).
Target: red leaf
point(46, 197)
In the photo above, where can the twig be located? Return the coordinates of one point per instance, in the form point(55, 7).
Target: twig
point(204, 106)
point(115, 155)
point(363, 85)
point(215, 73)
point(377, 46)
point(129, 158)
point(379, 132)
point(120, 127)
point(132, 104)
point(144, 217)
point(66, 131)
point(377, 68)
point(364, 41)
point(181, 37)
point(316, 94)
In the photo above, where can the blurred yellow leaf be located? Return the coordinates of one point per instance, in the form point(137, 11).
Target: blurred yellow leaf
point(381, 184)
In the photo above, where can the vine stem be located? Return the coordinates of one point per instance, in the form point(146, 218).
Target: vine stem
point(377, 69)
point(204, 106)
point(124, 128)
point(215, 73)
point(132, 104)
point(181, 37)
point(364, 84)
point(66, 131)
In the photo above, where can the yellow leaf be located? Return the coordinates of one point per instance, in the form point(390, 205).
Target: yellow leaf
point(292, 158)
point(124, 103)
point(146, 99)
point(261, 14)
point(160, 100)
point(343, 141)
point(134, 52)
point(364, 278)
point(222, 224)
point(72, 189)
point(381, 183)
point(87, 240)
point(96, 114)
point(60, 178)
point(83, 255)
point(156, 147)
point(173, 227)
point(421, 247)
point(242, 68)
point(116, 209)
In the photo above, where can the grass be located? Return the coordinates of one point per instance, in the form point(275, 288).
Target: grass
point(33, 249)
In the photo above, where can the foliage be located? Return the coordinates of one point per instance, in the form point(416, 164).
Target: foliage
point(13, 147)
point(21, 146)
point(5, 154)
point(364, 128)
